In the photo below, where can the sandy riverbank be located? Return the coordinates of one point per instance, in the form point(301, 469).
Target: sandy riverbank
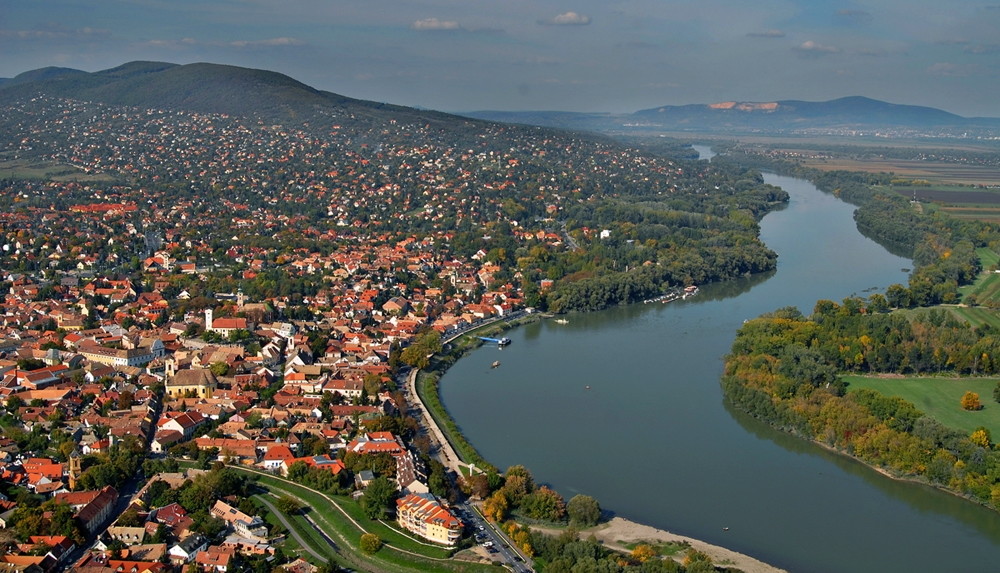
point(619, 532)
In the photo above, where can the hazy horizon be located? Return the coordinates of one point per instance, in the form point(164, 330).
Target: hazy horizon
point(590, 56)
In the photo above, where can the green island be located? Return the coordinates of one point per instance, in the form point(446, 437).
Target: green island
point(904, 381)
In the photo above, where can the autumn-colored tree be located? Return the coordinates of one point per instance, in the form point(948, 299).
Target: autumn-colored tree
point(522, 537)
point(694, 556)
point(981, 437)
point(370, 543)
point(125, 400)
point(544, 503)
point(970, 401)
point(496, 506)
point(477, 485)
point(643, 552)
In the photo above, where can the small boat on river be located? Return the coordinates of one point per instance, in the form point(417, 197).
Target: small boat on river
point(495, 364)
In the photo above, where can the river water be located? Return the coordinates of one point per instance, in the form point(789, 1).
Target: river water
point(626, 405)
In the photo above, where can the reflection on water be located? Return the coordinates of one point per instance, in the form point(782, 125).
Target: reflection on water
point(625, 405)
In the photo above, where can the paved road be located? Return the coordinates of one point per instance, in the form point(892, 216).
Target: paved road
point(446, 454)
point(486, 531)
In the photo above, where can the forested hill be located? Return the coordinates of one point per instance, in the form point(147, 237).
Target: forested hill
point(208, 88)
point(248, 153)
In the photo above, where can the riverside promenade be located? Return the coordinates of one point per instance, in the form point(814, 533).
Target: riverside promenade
point(446, 452)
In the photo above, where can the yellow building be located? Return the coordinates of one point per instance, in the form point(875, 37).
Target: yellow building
point(422, 514)
point(194, 382)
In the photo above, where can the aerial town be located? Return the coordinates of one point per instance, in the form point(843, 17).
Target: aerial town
point(118, 339)
point(194, 291)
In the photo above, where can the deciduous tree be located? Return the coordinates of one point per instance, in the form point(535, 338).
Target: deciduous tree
point(496, 506)
point(970, 401)
point(370, 543)
point(583, 511)
point(378, 496)
point(643, 552)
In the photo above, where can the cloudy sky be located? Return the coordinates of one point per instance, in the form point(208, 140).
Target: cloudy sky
point(574, 55)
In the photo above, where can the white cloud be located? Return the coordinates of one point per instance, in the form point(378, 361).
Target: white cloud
point(983, 49)
point(810, 47)
point(567, 19)
point(435, 24)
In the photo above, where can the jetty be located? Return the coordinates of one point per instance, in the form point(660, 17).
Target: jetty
point(674, 294)
point(498, 341)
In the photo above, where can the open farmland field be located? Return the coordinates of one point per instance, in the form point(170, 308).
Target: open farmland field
point(959, 201)
point(938, 172)
point(940, 398)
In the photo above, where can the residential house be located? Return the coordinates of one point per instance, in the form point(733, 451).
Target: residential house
point(186, 550)
point(184, 422)
point(242, 524)
point(215, 558)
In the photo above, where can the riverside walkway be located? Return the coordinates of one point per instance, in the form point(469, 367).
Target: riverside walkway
point(446, 452)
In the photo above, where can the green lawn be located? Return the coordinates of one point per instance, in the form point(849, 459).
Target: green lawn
point(976, 316)
point(406, 554)
point(987, 285)
point(940, 398)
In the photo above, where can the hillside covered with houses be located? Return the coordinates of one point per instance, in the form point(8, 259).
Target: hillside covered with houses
point(187, 289)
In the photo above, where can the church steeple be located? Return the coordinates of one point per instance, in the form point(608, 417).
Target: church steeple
point(75, 468)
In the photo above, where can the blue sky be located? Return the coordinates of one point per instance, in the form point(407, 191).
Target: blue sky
point(575, 55)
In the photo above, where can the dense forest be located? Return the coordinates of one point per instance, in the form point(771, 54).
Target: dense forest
point(785, 367)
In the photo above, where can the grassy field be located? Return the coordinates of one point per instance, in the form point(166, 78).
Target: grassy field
point(940, 398)
point(401, 554)
point(985, 214)
point(986, 290)
point(976, 316)
point(21, 169)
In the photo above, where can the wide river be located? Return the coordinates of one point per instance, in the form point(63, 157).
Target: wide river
point(626, 405)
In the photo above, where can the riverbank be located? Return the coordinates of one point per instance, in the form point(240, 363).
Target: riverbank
point(616, 534)
point(621, 534)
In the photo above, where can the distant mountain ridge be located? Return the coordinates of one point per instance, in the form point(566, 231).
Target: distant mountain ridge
point(216, 88)
point(853, 112)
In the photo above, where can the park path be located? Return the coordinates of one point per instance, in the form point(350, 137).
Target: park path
point(294, 533)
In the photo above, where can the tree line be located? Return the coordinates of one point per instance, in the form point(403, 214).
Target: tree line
point(784, 367)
